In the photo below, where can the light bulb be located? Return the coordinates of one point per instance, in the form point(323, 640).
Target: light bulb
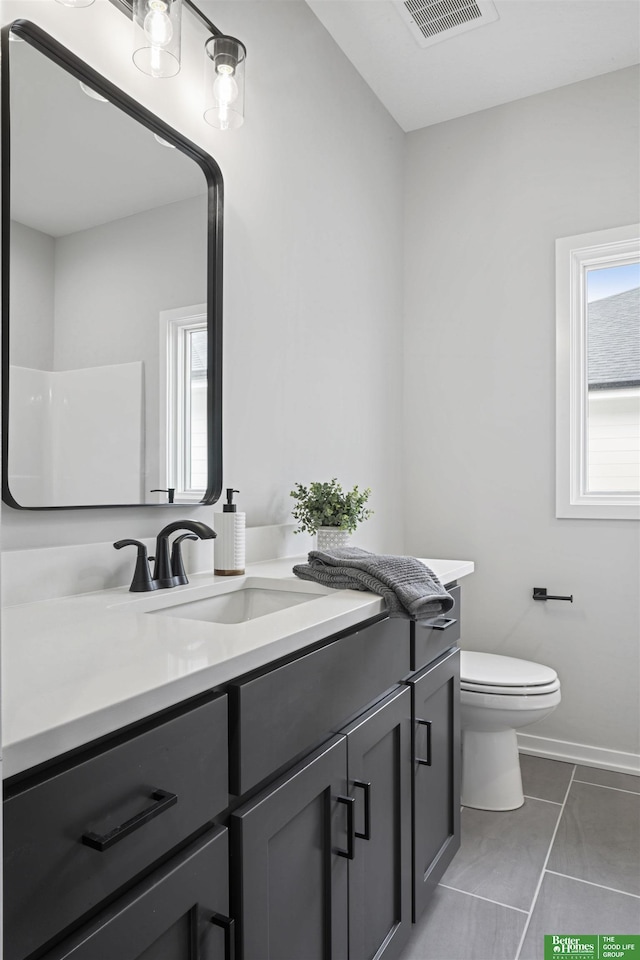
point(157, 24)
point(225, 88)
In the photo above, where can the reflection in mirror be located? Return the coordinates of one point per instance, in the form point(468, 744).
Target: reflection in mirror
point(113, 224)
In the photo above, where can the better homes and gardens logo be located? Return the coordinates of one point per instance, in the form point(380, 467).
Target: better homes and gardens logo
point(592, 947)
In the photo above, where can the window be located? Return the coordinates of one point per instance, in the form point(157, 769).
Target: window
point(598, 374)
point(183, 428)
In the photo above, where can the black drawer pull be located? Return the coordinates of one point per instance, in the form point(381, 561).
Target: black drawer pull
point(366, 786)
point(228, 925)
point(163, 800)
point(441, 623)
point(349, 853)
point(427, 724)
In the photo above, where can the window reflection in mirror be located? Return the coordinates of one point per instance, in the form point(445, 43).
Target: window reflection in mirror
point(109, 228)
point(183, 422)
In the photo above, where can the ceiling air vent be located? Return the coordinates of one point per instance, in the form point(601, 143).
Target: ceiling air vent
point(431, 21)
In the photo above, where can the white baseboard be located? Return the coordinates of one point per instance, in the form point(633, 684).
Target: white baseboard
point(579, 753)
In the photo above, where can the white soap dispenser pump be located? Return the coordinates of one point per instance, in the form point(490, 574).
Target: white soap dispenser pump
point(229, 550)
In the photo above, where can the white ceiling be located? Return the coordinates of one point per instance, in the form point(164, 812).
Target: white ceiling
point(535, 45)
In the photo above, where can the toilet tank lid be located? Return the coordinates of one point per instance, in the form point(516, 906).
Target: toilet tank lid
point(491, 668)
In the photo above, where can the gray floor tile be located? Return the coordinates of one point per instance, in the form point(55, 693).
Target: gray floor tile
point(502, 854)
point(609, 778)
point(545, 779)
point(598, 838)
point(457, 926)
point(568, 906)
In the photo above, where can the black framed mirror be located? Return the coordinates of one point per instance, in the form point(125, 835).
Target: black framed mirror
point(111, 292)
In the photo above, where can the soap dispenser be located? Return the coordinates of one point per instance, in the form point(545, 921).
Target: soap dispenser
point(229, 549)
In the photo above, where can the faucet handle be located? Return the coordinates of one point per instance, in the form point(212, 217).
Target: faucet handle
point(142, 581)
point(170, 491)
point(177, 566)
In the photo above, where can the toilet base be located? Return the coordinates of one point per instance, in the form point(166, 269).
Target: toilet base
point(491, 778)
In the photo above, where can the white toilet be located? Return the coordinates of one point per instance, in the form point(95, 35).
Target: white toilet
point(498, 695)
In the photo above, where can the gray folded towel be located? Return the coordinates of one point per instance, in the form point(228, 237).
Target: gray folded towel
point(408, 586)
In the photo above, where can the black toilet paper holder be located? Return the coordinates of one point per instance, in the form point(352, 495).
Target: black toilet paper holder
point(540, 593)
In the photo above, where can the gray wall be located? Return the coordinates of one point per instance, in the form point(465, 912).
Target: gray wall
point(486, 197)
point(313, 268)
point(32, 291)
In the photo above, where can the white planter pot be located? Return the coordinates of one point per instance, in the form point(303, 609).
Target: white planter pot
point(328, 538)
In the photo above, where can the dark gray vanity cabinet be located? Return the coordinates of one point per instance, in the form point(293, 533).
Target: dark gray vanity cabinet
point(80, 832)
point(179, 912)
point(379, 767)
point(436, 773)
point(305, 811)
point(324, 856)
point(290, 849)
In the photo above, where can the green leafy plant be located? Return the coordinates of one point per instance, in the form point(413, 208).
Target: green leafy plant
point(327, 505)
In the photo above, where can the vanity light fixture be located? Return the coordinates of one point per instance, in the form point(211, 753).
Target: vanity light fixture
point(156, 52)
point(224, 82)
point(156, 36)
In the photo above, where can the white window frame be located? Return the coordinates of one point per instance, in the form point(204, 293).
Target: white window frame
point(574, 256)
point(174, 402)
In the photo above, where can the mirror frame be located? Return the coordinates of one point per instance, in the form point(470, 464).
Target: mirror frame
point(69, 62)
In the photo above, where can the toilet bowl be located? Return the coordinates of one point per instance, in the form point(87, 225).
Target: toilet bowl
point(498, 695)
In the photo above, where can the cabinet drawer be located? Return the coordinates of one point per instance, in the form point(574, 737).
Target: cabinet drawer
point(182, 902)
point(278, 714)
point(430, 638)
point(134, 801)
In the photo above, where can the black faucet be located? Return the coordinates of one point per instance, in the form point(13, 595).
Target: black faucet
point(168, 571)
point(163, 573)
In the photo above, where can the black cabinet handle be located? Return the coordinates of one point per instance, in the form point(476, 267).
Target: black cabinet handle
point(349, 853)
point(366, 786)
point(228, 925)
point(427, 724)
point(163, 801)
point(441, 623)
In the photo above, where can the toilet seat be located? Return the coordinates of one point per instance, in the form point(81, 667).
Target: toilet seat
point(523, 691)
point(491, 673)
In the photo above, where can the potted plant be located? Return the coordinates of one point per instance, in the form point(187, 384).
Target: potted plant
point(327, 510)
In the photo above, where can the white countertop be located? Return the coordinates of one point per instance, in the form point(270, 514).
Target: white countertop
point(80, 667)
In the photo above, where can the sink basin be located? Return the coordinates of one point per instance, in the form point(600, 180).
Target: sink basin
point(238, 605)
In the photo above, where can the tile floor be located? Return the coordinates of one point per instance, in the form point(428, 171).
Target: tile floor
point(566, 862)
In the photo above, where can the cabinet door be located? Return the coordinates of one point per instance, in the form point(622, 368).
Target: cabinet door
point(436, 774)
point(178, 913)
point(379, 767)
point(290, 847)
